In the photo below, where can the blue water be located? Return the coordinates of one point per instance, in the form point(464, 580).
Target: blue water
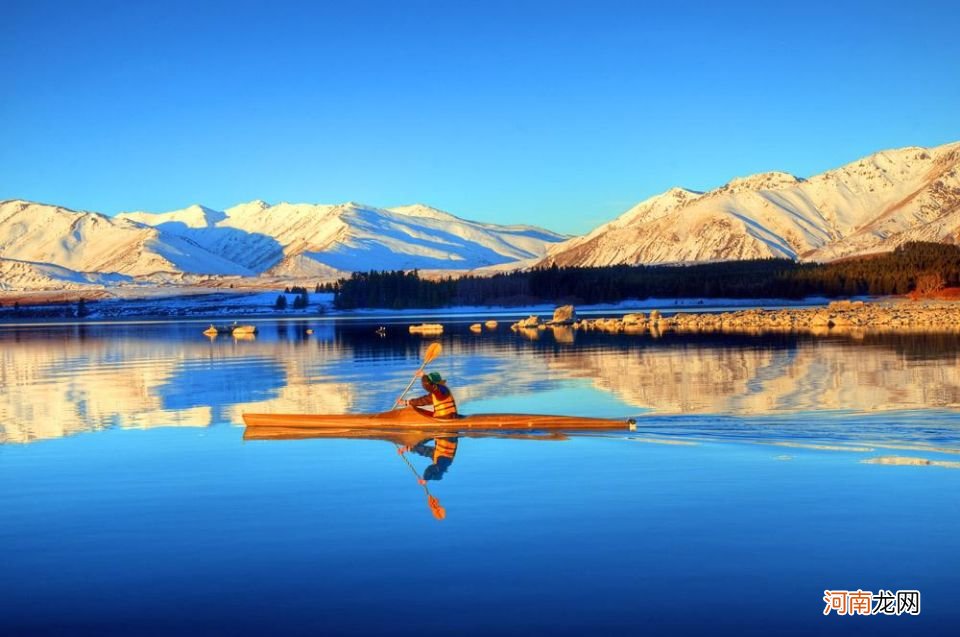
point(132, 505)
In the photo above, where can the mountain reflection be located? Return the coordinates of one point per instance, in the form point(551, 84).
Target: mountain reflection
point(762, 377)
point(58, 381)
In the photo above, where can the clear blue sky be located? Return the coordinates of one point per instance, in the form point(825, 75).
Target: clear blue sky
point(560, 114)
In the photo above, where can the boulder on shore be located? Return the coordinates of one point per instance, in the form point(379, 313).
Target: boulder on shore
point(531, 322)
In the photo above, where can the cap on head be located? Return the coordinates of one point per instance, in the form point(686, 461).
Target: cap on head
point(434, 377)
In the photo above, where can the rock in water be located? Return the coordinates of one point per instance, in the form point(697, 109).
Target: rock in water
point(564, 315)
point(426, 328)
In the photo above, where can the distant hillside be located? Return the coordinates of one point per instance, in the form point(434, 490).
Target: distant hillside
point(870, 205)
point(251, 240)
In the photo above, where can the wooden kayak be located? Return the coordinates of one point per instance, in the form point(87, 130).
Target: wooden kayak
point(411, 418)
point(398, 435)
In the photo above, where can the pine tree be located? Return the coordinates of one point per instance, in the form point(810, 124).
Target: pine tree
point(281, 303)
point(301, 301)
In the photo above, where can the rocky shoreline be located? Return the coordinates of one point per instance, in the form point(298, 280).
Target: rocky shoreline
point(837, 317)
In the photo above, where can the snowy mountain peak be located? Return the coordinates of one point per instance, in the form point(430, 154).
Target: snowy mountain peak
point(675, 196)
point(773, 180)
point(656, 206)
point(251, 207)
point(193, 216)
point(422, 210)
point(678, 192)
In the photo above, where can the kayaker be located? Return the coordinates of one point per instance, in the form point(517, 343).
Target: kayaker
point(438, 395)
point(441, 453)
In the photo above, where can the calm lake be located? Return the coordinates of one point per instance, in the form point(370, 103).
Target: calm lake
point(131, 503)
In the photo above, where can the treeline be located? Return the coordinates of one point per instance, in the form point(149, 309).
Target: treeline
point(52, 310)
point(393, 289)
point(897, 272)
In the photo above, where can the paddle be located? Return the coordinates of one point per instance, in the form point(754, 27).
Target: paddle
point(429, 356)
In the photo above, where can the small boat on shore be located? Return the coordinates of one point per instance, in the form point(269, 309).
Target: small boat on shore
point(413, 419)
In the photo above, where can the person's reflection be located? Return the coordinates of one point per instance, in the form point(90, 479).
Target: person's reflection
point(441, 453)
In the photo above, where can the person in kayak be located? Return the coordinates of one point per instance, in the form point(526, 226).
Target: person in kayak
point(441, 453)
point(438, 395)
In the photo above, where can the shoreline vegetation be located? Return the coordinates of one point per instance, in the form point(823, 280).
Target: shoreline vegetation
point(921, 270)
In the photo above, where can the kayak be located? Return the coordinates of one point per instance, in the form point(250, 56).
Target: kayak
point(413, 419)
point(406, 436)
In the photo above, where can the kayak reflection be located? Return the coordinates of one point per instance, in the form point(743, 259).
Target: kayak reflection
point(439, 447)
point(441, 452)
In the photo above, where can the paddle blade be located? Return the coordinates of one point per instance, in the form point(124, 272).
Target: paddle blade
point(438, 511)
point(432, 352)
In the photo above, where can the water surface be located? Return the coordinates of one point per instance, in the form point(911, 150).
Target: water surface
point(132, 504)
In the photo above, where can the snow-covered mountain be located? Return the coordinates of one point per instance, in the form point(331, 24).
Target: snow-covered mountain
point(316, 240)
point(92, 242)
point(871, 205)
point(42, 246)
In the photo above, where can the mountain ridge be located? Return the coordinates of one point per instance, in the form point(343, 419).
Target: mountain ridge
point(872, 204)
point(253, 239)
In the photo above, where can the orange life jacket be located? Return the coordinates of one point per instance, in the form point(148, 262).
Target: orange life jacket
point(445, 448)
point(444, 407)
